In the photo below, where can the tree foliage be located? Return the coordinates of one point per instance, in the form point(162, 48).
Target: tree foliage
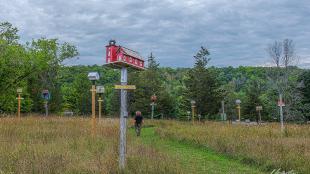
point(202, 86)
point(38, 65)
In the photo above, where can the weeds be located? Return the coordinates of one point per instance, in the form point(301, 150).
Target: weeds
point(65, 145)
point(263, 146)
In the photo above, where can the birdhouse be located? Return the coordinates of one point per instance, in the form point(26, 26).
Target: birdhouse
point(92, 76)
point(19, 90)
point(153, 98)
point(99, 89)
point(46, 94)
point(121, 56)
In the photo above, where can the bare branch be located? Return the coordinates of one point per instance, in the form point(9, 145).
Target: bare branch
point(275, 52)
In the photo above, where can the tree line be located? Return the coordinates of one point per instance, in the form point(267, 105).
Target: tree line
point(38, 65)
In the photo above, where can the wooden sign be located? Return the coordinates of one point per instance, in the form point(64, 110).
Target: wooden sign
point(127, 87)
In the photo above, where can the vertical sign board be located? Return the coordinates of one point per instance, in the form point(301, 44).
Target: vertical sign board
point(122, 58)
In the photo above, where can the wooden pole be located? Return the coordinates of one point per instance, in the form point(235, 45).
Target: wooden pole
point(193, 114)
point(46, 108)
point(93, 110)
point(281, 112)
point(260, 116)
point(123, 120)
point(100, 101)
point(18, 110)
point(223, 110)
point(239, 114)
point(152, 113)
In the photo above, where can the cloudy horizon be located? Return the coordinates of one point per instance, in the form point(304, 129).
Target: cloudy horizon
point(236, 33)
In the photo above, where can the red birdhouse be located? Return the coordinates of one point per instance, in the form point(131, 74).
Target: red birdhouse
point(121, 56)
point(153, 98)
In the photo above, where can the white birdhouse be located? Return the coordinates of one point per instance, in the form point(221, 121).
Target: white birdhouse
point(93, 76)
point(100, 89)
point(19, 90)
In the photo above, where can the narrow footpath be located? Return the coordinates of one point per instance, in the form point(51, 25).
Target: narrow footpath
point(194, 159)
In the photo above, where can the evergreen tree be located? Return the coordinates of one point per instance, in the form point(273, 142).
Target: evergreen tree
point(148, 83)
point(253, 92)
point(203, 86)
point(304, 89)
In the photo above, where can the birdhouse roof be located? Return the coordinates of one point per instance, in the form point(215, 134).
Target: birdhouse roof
point(130, 52)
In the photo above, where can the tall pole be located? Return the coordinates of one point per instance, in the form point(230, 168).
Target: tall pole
point(193, 114)
point(100, 101)
point(223, 110)
point(281, 112)
point(46, 108)
point(260, 116)
point(153, 99)
point(18, 110)
point(239, 114)
point(152, 114)
point(93, 109)
point(123, 120)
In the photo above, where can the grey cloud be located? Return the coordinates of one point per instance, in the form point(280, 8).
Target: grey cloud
point(236, 32)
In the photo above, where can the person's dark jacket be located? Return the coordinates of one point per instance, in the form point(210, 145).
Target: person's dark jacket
point(138, 119)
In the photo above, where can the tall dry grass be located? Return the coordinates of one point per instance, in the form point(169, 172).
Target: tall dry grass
point(65, 145)
point(264, 145)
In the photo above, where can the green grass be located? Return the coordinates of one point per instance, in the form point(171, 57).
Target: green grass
point(193, 159)
point(263, 146)
point(57, 145)
point(65, 145)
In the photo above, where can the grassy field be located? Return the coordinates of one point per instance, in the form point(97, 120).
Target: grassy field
point(263, 146)
point(65, 145)
point(194, 159)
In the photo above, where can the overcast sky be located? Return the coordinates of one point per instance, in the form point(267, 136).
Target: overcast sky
point(237, 32)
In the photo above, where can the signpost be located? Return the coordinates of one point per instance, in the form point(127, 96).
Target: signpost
point(259, 109)
point(19, 92)
point(126, 87)
point(281, 104)
point(121, 58)
point(100, 91)
point(93, 77)
point(46, 96)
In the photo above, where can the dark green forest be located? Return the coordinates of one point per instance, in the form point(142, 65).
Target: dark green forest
point(38, 65)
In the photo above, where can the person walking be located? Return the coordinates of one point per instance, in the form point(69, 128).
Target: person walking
point(138, 122)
